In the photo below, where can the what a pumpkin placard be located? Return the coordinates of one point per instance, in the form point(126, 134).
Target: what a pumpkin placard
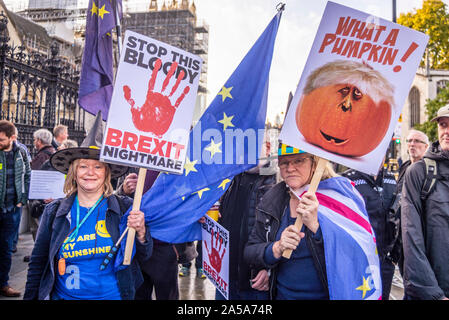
point(353, 88)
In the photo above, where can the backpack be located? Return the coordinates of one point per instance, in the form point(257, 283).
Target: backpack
point(431, 178)
point(394, 246)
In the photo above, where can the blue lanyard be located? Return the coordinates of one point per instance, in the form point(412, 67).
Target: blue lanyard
point(78, 224)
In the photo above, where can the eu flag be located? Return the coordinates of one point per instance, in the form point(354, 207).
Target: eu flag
point(97, 76)
point(223, 144)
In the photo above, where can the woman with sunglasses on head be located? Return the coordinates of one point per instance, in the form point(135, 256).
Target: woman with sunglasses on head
point(76, 233)
point(304, 276)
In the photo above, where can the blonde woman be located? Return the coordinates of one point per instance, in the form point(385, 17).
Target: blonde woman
point(77, 232)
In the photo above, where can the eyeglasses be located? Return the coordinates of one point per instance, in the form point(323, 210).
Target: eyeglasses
point(415, 141)
point(283, 164)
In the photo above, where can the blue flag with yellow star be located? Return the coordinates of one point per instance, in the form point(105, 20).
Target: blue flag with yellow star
point(225, 142)
point(97, 75)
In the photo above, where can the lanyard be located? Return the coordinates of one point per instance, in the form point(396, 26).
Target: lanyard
point(78, 224)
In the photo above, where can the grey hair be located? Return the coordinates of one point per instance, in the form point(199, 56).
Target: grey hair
point(422, 134)
point(362, 75)
point(69, 144)
point(43, 135)
point(59, 129)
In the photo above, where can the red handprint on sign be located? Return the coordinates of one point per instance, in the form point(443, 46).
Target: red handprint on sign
point(156, 114)
point(215, 258)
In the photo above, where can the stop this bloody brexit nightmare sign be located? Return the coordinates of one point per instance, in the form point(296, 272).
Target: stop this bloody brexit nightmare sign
point(353, 87)
point(152, 105)
point(216, 255)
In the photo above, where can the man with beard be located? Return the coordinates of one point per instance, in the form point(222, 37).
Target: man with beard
point(425, 219)
point(15, 175)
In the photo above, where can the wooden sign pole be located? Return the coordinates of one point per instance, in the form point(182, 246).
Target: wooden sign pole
point(312, 189)
point(136, 206)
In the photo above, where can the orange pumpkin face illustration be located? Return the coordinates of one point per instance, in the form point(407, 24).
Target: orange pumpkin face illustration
point(342, 119)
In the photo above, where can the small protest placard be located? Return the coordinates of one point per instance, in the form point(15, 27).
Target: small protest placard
point(152, 105)
point(216, 255)
point(353, 87)
point(46, 185)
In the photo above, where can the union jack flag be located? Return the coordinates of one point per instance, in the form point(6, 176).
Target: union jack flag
point(352, 262)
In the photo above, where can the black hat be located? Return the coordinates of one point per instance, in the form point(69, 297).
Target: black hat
point(89, 149)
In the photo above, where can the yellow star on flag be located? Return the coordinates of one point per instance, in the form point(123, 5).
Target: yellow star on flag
point(200, 192)
point(225, 93)
point(364, 287)
point(224, 183)
point(94, 9)
point(190, 166)
point(226, 121)
point(213, 148)
point(102, 11)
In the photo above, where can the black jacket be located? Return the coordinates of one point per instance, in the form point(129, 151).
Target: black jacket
point(237, 209)
point(42, 155)
point(378, 195)
point(425, 230)
point(268, 218)
point(402, 169)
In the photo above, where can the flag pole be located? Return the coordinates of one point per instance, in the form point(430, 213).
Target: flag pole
point(118, 27)
point(136, 206)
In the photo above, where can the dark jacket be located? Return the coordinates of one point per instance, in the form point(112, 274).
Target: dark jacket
point(378, 196)
point(425, 230)
point(238, 216)
point(54, 229)
point(42, 155)
point(268, 218)
point(396, 252)
point(22, 175)
point(402, 169)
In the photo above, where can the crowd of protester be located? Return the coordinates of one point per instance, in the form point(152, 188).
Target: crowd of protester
point(408, 212)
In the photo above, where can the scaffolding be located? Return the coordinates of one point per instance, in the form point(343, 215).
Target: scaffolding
point(176, 24)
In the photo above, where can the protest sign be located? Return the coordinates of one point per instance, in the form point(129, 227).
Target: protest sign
point(216, 255)
point(46, 185)
point(353, 87)
point(152, 105)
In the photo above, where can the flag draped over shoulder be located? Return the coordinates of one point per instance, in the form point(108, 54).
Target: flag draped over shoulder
point(175, 203)
point(96, 83)
point(352, 262)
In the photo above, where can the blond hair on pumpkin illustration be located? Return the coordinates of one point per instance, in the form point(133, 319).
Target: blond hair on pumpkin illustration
point(345, 108)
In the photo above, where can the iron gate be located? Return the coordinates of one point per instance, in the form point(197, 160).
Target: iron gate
point(38, 91)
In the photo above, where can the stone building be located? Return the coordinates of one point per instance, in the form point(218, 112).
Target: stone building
point(426, 85)
point(175, 23)
point(38, 78)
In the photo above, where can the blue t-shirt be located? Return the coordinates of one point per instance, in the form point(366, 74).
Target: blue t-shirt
point(297, 277)
point(84, 255)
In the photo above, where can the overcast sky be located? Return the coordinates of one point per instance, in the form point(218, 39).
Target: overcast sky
point(234, 26)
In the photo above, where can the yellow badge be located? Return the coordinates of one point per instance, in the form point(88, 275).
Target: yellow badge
point(101, 229)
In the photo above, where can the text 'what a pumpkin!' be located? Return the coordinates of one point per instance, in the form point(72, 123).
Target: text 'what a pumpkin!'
point(345, 108)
